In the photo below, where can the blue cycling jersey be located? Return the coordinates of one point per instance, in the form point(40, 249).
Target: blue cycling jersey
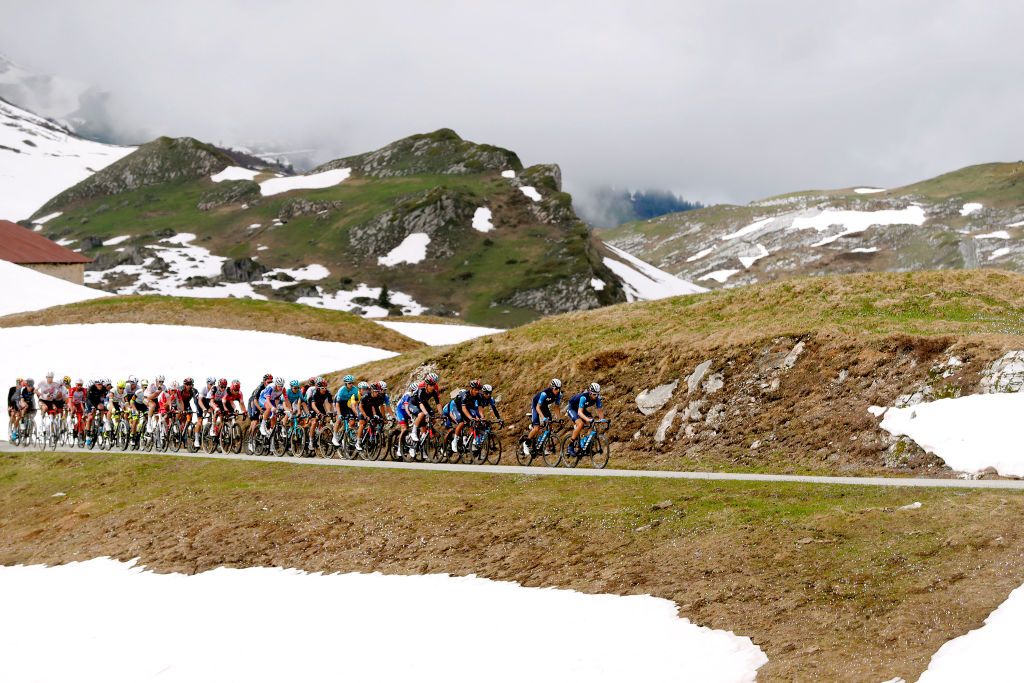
point(295, 396)
point(272, 394)
point(344, 394)
point(582, 401)
point(546, 397)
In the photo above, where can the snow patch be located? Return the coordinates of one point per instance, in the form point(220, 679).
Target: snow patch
point(864, 250)
point(47, 218)
point(482, 220)
point(413, 249)
point(719, 276)
point(313, 181)
point(205, 615)
point(1018, 224)
point(854, 222)
point(597, 284)
point(1000, 252)
point(700, 254)
point(113, 241)
point(868, 190)
point(752, 228)
point(969, 208)
point(345, 300)
point(439, 334)
point(643, 282)
point(508, 174)
point(997, 235)
point(234, 173)
point(748, 261)
point(254, 226)
point(530, 192)
point(30, 290)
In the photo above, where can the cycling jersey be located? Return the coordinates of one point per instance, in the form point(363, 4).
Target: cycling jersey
point(115, 398)
point(77, 395)
point(422, 398)
point(168, 400)
point(344, 394)
point(95, 397)
point(371, 405)
point(187, 395)
point(12, 397)
point(140, 399)
point(47, 391)
point(271, 393)
point(229, 398)
point(319, 399)
point(294, 397)
point(28, 395)
point(541, 406)
point(580, 402)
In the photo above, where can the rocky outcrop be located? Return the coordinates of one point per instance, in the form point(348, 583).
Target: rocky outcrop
point(299, 206)
point(651, 401)
point(129, 256)
point(230, 192)
point(242, 270)
point(441, 152)
point(567, 294)
point(444, 214)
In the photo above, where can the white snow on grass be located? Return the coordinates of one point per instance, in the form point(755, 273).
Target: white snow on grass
point(530, 192)
point(700, 254)
point(47, 218)
point(310, 273)
point(997, 235)
point(969, 208)
point(234, 173)
point(254, 226)
point(29, 290)
point(207, 623)
point(719, 276)
point(113, 241)
point(750, 229)
point(65, 242)
point(482, 220)
point(1018, 224)
point(868, 190)
point(864, 250)
point(643, 282)
point(117, 350)
point(345, 300)
point(439, 334)
point(508, 174)
point(313, 181)
point(50, 162)
point(413, 249)
point(999, 253)
point(597, 284)
point(853, 222)
point(748, 261)
point(969, 433)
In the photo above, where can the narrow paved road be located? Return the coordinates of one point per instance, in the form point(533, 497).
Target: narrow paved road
point(5, 447)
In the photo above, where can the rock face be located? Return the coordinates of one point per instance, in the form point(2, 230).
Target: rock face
point(1005, 375)
point(242, 270)
point(300, 206)
point(441, 152)
point(653, 400)
point(564, 295)
point(445, 215)
point(229, 192)
point(165, 160)
point(132, 256)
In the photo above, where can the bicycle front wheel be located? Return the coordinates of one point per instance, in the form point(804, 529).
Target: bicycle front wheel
point(550, 451)
point(568, 460)
point(599, 452)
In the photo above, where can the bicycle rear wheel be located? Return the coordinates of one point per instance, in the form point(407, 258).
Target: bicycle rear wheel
point(231, 439)
point(174, 437)
point(278, 442)
point(599, 453)
point(567, 459)
point(492, 453)
point(550, 452)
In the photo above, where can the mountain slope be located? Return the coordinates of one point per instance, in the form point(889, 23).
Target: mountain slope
point(431, 223)
point(39, 159)
point(970, 218)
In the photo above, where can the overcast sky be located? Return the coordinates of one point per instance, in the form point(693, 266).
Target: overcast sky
point(718, 101)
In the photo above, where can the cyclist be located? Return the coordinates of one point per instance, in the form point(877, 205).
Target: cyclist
point(577, 411)
point(320, 401)
point(419, 405)
point(76, 397)
point(95, 404)
point(544, 401)
point(231, 396)
point(295, 397)
point(253, 406)
point(373, 402)
point(152, 396)
point(189, 396)
point(12, 405)
point(169, 401)
point(345, 394)
point(27, 401)
point(48, 392)
point(270, 397)
point(461, 408)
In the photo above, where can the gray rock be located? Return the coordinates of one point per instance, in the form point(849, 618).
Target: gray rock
point(791, 359)
point(715, 416)
point(663, 505)
point(1005, 375)
point(713, 383)
point(242, 270)
point(693, 381)
point(652, 400)
point(561, 296)
point(666, 424)
point(132, 256)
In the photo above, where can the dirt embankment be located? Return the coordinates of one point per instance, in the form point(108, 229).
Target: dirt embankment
point(834, 583)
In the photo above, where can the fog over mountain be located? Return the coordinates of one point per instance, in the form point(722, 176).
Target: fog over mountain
point(711, 100)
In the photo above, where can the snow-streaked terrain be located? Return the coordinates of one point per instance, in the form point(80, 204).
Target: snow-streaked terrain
point(312, 181)
point(720, 276)
point(508, 174)
point(751, 259)
point(117, 350)
point(852, 222)
point(482, 219)
point(969, 208)
point(39, 160)
point(439, 334)
point(642, 282)
point(343, 627)
point(997, 235)
point(53, 97)
point(990, 653)
point(25, 289)
point(530, 192)
point(234, 173)
point(412, 249)
point(362, 297)
point(969, 433)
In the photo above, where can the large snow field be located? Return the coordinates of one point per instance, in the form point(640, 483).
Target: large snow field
point(25, 289)
point(439, 334)
point(969, 433)
point(117, 622)
point(642, 281)
point(116, 350)
point(313, 181)
point(234, 173)
point(39, 160)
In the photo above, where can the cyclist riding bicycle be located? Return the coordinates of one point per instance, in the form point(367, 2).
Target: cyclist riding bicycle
point(404, 416)
point(461, 409)
point(27, 401)
point(232, 397)
point(152, 396)
point(51, 394)
point(419, 406)
point(374, 403)
point(269, 399)
point(544, 401)
point(95, 404)
point(345, 394)
point(577, 411)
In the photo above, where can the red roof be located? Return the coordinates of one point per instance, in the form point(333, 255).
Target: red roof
point(21, 245)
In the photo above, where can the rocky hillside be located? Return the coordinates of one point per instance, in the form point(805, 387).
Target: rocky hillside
point(428, 224)
point(971, 218)
point(776, 377)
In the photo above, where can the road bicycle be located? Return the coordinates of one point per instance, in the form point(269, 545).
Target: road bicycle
point(591, 445)
point(544, 446)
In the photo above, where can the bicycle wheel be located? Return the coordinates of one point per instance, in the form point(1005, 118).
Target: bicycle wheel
point(174, 437)
point(106, 436)
point(322, 442)
point(492, 453)
point(599, 453)
point(231, 439)
point(278, 443)
point(297, 442)
point(569, 460)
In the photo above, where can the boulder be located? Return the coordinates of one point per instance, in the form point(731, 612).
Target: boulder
point(1005, 375)
point(791, 358)
point(653, 400)
point(666, 424)
point(132, 256)
point(242, 270)
point(693, 381)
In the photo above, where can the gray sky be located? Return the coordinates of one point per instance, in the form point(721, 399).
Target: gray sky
point(719, 101)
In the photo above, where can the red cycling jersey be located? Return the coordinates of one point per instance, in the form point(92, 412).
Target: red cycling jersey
point(169, 399)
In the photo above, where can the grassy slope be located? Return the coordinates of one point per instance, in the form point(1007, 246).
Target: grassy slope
point(834, 583)
point(234, 314)
point(877, 326)
point(524, 252)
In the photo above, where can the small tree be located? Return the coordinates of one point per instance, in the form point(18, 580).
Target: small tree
point(383, 299)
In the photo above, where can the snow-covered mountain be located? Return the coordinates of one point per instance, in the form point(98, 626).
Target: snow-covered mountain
point(54, 97)
point(39, 159)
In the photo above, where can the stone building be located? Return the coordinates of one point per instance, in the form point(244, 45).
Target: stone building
point(29, 249)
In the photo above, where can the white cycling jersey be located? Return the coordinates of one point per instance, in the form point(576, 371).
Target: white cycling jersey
point(49, 391)
point(153, 391)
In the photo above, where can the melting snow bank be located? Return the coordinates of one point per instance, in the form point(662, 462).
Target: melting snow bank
point(313, 181)
point(413, 249)
point(970, 433)
point(439, 334)
point(363, 298)
point(989, 653)
point(205, 624)
point(29, 290)
point(234, 173)
point(117, 350)
point(642, 281)
point(482, 219)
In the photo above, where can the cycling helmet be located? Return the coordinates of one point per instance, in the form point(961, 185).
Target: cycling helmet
point(594, 388)
point(279, 382)
point(131, 378)
point(175, 386)
point(143, 383)
point(211, 380)
point(189, 380)
point(31, 382)
point(414, 387)
point(382, 385)
point(431, 378)
point(222, 382)
point(318, 379)
point(348, 379)
point(266, 378)
point(294, 384)
point(159, 378)
point(235, 385)
point(321, 382)
point(556, 383)
point(120, 384)
point(311, 380)
point(364, 385)
point(488, 388)
point(474, 384)
point(79, 383)
point(49, 375)
point(67, 379)
point(106, 380)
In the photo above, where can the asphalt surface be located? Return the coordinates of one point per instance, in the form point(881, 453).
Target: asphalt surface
point(587, 472)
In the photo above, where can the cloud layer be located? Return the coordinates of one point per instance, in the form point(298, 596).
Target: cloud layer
point(714, 100)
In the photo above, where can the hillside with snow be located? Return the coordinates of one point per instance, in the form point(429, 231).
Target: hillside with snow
point(39, 159)
point(971, 218)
